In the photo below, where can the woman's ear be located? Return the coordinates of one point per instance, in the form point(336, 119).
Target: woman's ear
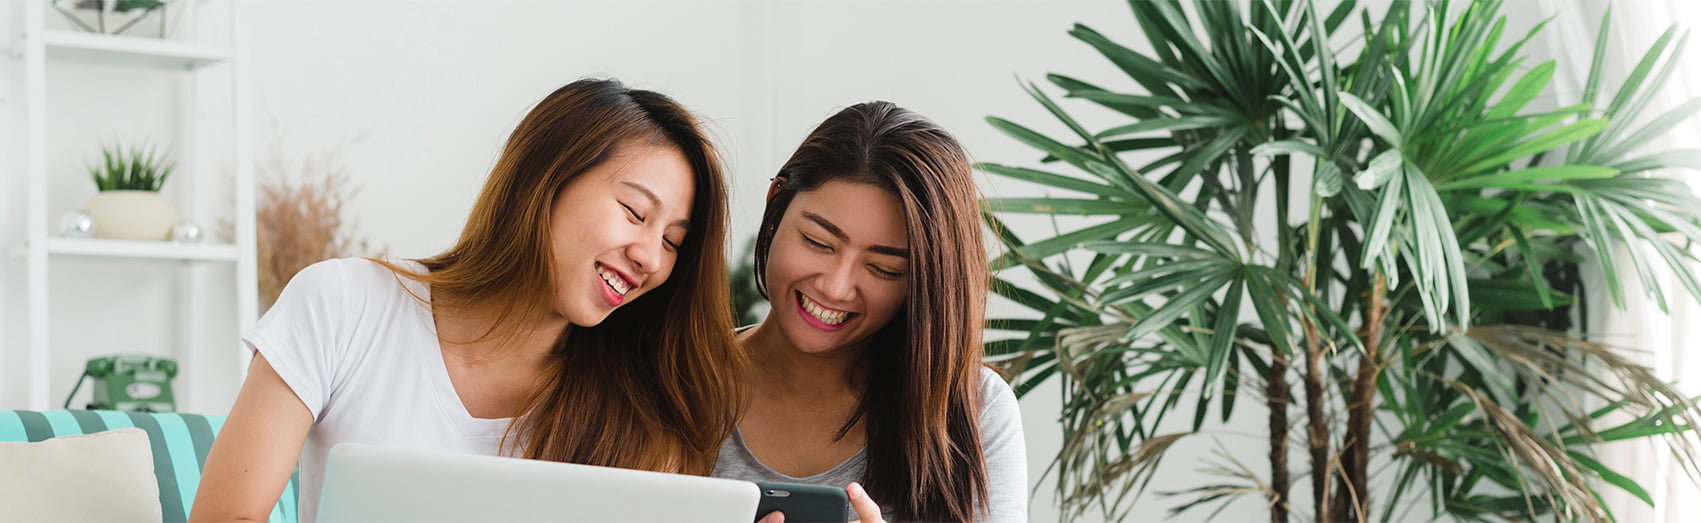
point(775, 185)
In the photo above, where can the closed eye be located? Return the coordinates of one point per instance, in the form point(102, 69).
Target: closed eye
point(883, 273)
point(635, 216)
point(815, 244)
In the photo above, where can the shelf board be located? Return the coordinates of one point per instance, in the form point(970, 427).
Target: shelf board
point(130, 50)
point(160, 250)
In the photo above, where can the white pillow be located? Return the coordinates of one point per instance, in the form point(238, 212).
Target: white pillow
point(106, 476)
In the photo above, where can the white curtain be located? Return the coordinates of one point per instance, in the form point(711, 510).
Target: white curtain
point(1664, 341)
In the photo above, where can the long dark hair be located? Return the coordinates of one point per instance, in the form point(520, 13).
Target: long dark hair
point(656, 385)
point(921, 402)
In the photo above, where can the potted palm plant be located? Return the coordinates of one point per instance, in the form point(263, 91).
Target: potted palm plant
point(1406, 293)
point(128, 206)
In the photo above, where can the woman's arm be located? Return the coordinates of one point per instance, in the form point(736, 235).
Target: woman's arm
point(255, 452)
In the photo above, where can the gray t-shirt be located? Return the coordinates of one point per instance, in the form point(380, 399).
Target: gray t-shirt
point(1001, 441)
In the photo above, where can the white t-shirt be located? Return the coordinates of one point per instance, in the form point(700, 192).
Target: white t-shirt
point(362, 354)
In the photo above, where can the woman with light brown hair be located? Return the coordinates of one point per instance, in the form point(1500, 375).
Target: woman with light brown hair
point(580, 317)
point(867, 370)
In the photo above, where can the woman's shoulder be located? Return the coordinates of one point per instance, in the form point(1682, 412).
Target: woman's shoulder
point(992, 384)
point(997, 400)
point(352, 284)
point(353, 274)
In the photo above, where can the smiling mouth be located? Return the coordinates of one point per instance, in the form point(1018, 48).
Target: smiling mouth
point(615, 286)
point(828, 317)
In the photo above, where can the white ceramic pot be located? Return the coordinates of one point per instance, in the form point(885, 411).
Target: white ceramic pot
point(131, 215)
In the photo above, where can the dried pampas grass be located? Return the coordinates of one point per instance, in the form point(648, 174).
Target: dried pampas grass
point(300, 221)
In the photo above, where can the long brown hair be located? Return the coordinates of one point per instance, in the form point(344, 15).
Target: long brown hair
point(656, 385)
point(921, 401)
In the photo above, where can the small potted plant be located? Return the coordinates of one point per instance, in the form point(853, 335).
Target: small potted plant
point(92, 15)
point(129, 206)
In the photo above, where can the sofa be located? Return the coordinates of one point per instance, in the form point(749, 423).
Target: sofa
point(179, 443)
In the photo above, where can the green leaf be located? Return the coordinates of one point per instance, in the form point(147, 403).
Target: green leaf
point(1073, 85)
point(1055, 180)
point(1181, 123)
point(1327, 180)
point(1222, 336)
point(1136, 100)
point(1533, 267)
point(1271, 306)
point(1522, 177)
point(1383, 167)
point(1281, 147)
point(1066, 206)
point(1681, 158)
point(1151, 74)
point(1511, 294)
point(1162, 269)
point(1525, 217)
point(1522, 92)
point(1447, 420)
point(1039, 141)
point(1478, 358)
point(1611, 476)
point(1543, 143)
point(1378, 123)
point(1652, 130)
point(1382, 224)
point(1148, 249)
point(1176, 306)
point(1064, 242)
point(1022, 296)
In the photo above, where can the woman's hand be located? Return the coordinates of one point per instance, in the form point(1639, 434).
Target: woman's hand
point(867, 511)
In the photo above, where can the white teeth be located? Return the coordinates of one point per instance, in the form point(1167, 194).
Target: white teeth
point(614, 280)
point(821, 313)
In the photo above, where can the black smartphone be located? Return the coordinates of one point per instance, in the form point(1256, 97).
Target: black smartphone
point(803, 503)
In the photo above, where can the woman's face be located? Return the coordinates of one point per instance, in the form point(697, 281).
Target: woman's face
point(617, 228)
point(838, 266)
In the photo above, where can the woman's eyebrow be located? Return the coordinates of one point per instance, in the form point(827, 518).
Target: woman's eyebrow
point(654, 201)
point(840, 234)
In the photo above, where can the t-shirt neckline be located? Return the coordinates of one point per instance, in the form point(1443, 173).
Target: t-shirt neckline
point(436, 370)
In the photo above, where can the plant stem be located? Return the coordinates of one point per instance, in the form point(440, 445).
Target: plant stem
point(1353, 502)
point(1317, 428)
point(1276, 394)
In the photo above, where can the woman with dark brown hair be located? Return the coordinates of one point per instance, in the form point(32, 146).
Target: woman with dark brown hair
point(581, 317)
point(867, 370)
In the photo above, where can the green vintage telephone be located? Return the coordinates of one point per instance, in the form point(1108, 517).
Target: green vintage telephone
point(129, 382)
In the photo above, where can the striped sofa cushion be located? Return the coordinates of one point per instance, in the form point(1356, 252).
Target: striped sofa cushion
point(180, 444)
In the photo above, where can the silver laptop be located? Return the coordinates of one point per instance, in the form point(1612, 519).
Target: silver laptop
point(366, 483)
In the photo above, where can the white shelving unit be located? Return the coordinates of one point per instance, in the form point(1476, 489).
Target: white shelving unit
point(42, 249)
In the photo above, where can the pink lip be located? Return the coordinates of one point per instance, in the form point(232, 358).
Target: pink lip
point(813, 321)
point(630, 283)
point(608, 293)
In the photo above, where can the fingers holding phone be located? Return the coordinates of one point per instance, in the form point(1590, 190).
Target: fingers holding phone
point(867, 511)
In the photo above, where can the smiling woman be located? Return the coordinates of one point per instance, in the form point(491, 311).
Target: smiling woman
point(867, 368)
point(588, 284)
